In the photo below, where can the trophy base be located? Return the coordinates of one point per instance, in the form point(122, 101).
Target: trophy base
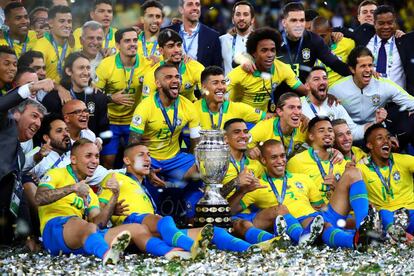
point(213, 209)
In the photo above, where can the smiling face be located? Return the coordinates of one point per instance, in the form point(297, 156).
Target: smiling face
point(343, 138)
point(39, 66)
point(379, 143)
point(76, 115)
point(168, 82)
point(322, 135)
point(8, 68)
point(91, 41)
point(385, 25)
point(18, 22)
point(237, 136)
point(216, 87)
point(274, 159)
point(138, 159)
point(242, 18)
point(61, 25)
point(191, 10)
point(172, 52)
point(28, 122)
point(366, 14)
point(152, 20)
point(363, 71)
point(265, 54)
point(85, 159)
point(291, 112)
point(317, 82)
point(79, 73)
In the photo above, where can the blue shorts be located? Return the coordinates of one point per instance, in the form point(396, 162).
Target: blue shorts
point(300, 219)
point(249, 217)
point(118, 132)
point(53, 239)
point(332, 217)
point(135, 218)
point(174, 169)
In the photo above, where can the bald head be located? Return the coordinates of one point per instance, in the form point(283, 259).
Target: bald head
point(71, 106)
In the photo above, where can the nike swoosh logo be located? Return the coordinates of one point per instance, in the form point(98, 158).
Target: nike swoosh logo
point(371, 181)
point(313, 176)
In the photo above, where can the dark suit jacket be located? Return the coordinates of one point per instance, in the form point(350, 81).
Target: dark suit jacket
point(9, 143)
point(209, 47)
point(365, 32)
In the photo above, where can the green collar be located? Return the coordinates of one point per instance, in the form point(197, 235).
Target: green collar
point(204, 106)
point(276, 131)
point(383, 168)
point(181, 68)
point(119, 65)
point(310, 151)
point(288, 174)
point(71, 172)
point(49, 37)
point(258, 74)
point(111, 33)
point(6, 36)
point(167, 108)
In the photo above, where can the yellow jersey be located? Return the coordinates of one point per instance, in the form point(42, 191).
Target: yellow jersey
point(401, 192)
point(305, 163)
point(131, 191)
point(358, 153)
point(253, 89)
point(230, 110)
point(190, 73)
point(268, 129)
point(20, 47)
point(301, 192)
point(70, 205)
point(112, 77)
point(148, 119)
point(151, 47)
point(52, 60)
point(108, 42)
point(340, 49)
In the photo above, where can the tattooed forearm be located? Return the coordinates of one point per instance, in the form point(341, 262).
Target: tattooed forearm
point(106, 212)
point(46, 196)
point(229, 187)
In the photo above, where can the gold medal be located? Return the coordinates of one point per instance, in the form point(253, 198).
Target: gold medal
point(272, 107)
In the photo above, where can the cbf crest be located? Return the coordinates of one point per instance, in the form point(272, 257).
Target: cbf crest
point(396, 175)
point(376, 99)
point(306, 54)
point(299, 185)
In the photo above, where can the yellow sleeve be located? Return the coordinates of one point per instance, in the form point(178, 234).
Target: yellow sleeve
point(94, 201)
point(258, 134)
point(408, 161)
point(194, 120)
point(314, 194)
point(140, 117)
point(105, 194)
point(288, 75)
point(102, 72)
point(198, 69)
point(76, 35)
point(249, 113)
point(234, 88)
point(248, 199)
point(294, 165)
point(149, 87)
point(50, 180)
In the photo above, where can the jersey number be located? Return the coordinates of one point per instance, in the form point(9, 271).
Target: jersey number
point(77, 203)
point(259, 97)
point(295, 68)
point(163, 133)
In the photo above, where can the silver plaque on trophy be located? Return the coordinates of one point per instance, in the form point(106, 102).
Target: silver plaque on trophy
point(212, 159)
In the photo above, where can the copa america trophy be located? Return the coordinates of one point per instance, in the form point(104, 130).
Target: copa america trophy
point(212, 159)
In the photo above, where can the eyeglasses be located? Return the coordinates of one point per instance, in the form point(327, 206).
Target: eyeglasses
point(78, 112)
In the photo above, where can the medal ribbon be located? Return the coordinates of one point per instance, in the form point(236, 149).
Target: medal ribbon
point(312, 107)
point(290, 148)
point(285, 40)
point(213, 126)
point(171, 126)
point(279, 197)
point(242, 162)
point(192, 37)
point(11, 44)
point(385, 182)
point(62, 56)
point(144, 46)
point(144, 189)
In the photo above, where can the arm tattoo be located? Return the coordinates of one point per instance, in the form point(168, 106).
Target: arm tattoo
point(134, 137)
point(45, 196)
point(229, 187)
point(106, 212)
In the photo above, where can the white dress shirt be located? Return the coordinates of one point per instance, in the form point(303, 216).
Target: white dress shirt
point(227, 51)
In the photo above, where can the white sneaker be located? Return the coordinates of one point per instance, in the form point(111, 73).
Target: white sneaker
point(118, 245)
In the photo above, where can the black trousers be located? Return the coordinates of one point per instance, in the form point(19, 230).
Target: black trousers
point(7, 219)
